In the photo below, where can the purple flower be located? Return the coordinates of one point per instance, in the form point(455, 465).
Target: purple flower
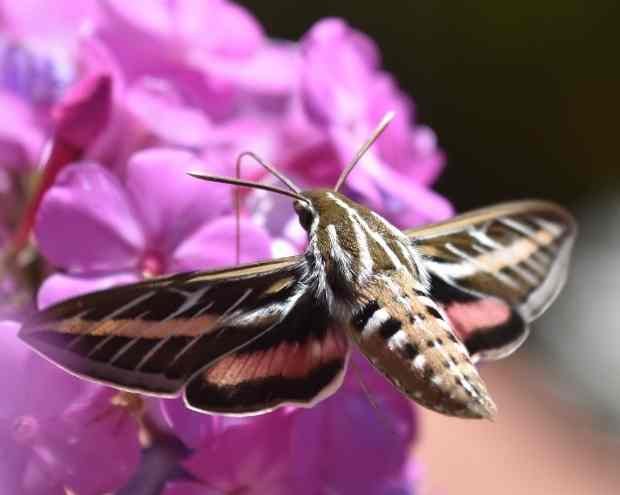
point(326, 94)
point(247, 456)
point(345, 94)
point(342, 445)
point(21, 136)
point(133, 95)
point(37, 63)
point(214, 50)
point(56, 27)
point(54, 428)
point(80, 118)
point(325, 437)
point(84, 112)
point(14, 298)
point(156, 220)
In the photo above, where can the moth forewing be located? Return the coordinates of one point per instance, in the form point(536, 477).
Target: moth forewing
point(153, 336)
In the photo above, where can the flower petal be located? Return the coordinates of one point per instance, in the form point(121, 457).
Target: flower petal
point(408, 203)
point(93, 432)
point(86, 224)
point(171, 204)
point(193, 428)
point(325, 436)
point(214, 245)
point(394, 194)
point(83, 113)
point(221, 28)
point(339, 65)
point(139, 34)
point(56, 23)
point(50, 389)
point(13, 355)
point(21, 136)
point(189, 488)
point(160, 111)
point(273, 70)
point(252, 455)
point(58, 286)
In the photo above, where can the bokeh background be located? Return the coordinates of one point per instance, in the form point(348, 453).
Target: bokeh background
point(524, 99)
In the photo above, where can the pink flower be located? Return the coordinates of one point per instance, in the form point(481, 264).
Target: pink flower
point(342, 445)
point(248, 456)
point(156, 220)
point(345, 94)
point(306, 107)
point(54, 428)
point(131, 96)
point(80, 118)
point(38, 48)
point(21, 136)
point(214, 50)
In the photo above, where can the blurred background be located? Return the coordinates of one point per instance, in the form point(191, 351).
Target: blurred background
point(524, 99)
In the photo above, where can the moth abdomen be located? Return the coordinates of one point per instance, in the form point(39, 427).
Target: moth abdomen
point(409, 339)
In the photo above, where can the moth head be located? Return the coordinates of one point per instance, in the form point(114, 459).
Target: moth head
point(320, 209)
point(305, 212)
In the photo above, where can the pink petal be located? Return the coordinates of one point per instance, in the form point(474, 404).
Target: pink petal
point(13, 355)
point(162, 113)
point(171, 204)
point(139, 34)
point(409, 203)
point(149, 16)
point(214, 245)
point(21, 136)
point(396, 195)
point(337, 73)
point(193, 428)
point(273, 70)
point(39, 377)
point(58, 22)
point(253, 454)
point(84, 111)
point(219, 27)
point(85, 222)
point(189, 488)
point(348, 444)
point(95, 432)
point(58, 287)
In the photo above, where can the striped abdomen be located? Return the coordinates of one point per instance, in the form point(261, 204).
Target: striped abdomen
point(406, 336)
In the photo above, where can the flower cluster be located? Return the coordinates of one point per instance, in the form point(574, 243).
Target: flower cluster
point(306, 451)
point(109, 104)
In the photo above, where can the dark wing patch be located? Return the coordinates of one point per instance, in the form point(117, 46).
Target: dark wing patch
point(497, 269)
point(489, 327)
point(301, 362)
point(154, 335)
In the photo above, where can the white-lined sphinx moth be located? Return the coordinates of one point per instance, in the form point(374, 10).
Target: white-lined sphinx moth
point(423, 306)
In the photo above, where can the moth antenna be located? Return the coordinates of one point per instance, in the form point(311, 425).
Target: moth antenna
point(270, 168)
point(285, 180)
point(387, 118)
point(246, 183)
point(237, 194)
point(237, 226)
point(370, 398)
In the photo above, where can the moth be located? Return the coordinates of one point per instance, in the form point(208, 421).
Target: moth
point(422, 305)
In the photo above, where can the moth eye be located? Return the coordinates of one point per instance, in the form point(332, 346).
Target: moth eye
point(304, 214)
